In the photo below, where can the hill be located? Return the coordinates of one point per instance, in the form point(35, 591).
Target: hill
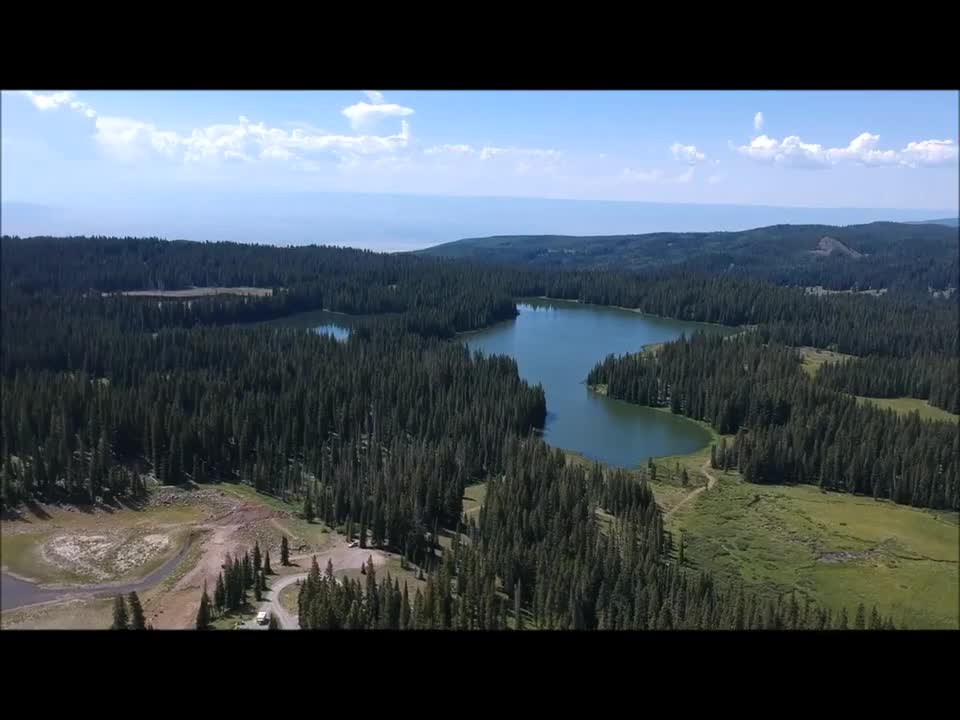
point(950, 222)
point(905, 256)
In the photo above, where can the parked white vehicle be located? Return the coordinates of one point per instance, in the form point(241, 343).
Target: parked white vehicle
point(262, 618)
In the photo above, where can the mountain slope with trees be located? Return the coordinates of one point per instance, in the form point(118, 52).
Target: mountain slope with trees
point(908, 257)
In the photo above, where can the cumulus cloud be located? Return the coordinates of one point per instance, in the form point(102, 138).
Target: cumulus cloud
point(130, 139)
point(929, 153)
point(758, 122)
point(48, 101)
point(489, 152)
point(687, 153)
point(243, 140)
point(862, 150)
point(365, 115)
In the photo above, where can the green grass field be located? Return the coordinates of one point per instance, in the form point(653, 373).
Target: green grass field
point(813, 358)
point(902, 559)
point(473, 497)
point(905, 406)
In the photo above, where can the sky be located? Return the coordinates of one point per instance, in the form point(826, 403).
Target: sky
point(399, 170)
point(833, 149)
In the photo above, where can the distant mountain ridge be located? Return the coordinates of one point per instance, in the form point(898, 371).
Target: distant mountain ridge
point(397, 222)
point(949, 222)
point(914, 256)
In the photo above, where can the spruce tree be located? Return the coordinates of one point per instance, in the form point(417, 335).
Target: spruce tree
point(842, 619)
point(308, 507)
point(860, 621)
point(284, 551)
point(266, 564)
point(257, 560)
point(119, 614)
point(274, 623)
point(137, 620)
point(248, 576)
point(220, 595)
point(203, 613)
point(517, 619)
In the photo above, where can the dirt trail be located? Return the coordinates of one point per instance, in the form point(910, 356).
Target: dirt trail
point(711, 483)
point(342, 557)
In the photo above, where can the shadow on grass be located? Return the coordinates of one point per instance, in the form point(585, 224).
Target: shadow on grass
point(232, 618)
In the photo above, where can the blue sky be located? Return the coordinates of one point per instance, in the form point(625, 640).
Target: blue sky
point(800, 149)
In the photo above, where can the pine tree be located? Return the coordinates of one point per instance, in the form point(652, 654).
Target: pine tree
point(203, 613)
point(860, 621)
point(248, 576)
point(257, 560)
point(284, 552)
point(842, 620)
point(119, 614)
point(266, 564)
point(405, 609)
point(517, 619)
point(220, 595)
point(308, 507)
point(274, 623)
point(137, 621)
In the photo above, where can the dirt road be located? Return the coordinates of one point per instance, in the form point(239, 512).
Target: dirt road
point(342, 556)
point(711, 482)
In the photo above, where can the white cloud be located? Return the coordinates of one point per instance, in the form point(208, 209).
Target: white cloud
point(365, 115)
point(862, 150)
point(929, 152)
point(714, 179)
point(684, 177)
point(451, 149)
point(49, 101)
point(687, 153)
point(489, 152)
point(758, 122)
point(129, 139)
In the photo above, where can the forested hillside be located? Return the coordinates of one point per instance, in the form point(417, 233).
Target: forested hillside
point(904, 257)
point(791, 428)
point(101, 393)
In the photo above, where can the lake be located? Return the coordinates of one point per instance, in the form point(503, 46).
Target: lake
point(320, 321)
point(556, 343)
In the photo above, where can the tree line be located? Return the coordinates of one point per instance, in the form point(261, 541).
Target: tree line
point(928, 377)
point(790, 428)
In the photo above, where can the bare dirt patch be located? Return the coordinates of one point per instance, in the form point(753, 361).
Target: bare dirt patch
point(828, 246)
point(197, 292)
